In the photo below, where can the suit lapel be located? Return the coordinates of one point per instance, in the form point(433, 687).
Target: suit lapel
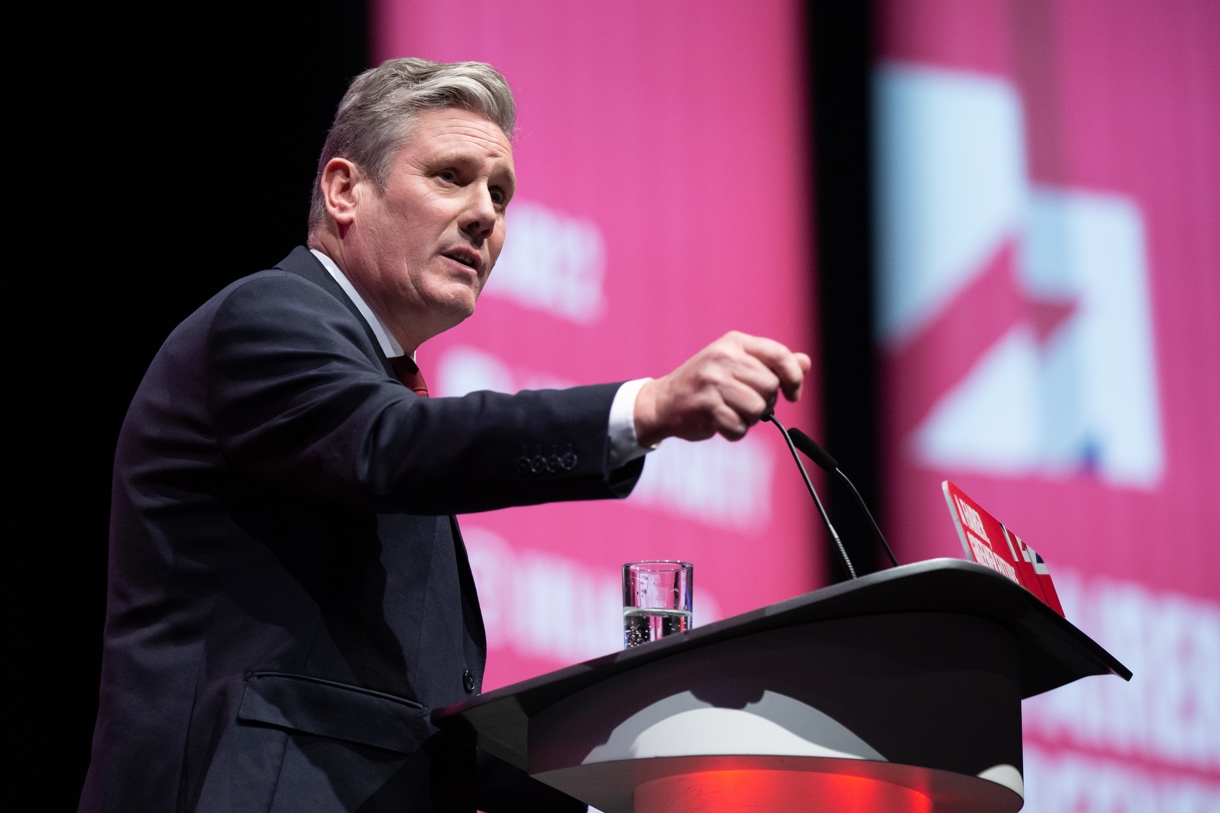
point(304, 264)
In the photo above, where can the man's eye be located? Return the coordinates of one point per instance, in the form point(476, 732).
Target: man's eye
point(447, 175)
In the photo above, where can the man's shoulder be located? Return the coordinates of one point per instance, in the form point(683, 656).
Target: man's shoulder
point(296, 299)
point(297, 280)
point(300, 271)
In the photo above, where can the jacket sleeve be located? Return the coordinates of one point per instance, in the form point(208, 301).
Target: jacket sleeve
point(300, 398)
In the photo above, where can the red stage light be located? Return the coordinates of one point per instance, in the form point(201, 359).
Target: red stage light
point(769, 791)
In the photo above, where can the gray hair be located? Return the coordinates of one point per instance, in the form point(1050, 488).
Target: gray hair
point(375, 116)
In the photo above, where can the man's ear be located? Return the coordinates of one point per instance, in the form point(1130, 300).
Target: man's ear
point(340, 180)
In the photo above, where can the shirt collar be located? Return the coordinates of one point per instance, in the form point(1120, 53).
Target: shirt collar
point(385, 338)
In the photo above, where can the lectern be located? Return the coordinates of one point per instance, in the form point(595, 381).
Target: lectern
point(899, 692)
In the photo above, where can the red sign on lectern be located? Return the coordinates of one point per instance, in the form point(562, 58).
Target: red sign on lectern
point(988, 542)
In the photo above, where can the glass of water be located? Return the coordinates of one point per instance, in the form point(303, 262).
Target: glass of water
point(656, 600)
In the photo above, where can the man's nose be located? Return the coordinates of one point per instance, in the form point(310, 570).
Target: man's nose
point(480, 215)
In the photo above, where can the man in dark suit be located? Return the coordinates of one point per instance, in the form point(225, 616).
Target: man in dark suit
point(289, 594)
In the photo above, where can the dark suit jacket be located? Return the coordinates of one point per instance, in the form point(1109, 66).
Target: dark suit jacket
point(289, 595)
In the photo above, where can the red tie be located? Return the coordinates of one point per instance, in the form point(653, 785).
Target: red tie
point(408, 373)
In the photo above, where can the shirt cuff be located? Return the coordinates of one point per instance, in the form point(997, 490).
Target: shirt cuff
point(624, 447)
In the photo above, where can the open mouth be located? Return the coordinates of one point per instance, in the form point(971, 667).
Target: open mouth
point(468, 260)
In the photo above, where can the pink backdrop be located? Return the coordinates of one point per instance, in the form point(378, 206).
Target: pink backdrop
point(1049, 309)
point(662, 201)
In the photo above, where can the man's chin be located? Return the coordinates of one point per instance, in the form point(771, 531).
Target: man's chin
point(453, 312)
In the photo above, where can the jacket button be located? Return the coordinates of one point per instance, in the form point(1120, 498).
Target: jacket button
point(468, 681)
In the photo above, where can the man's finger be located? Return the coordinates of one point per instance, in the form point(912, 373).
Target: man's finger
point(789, 367)
point(748, 401)
point(792, 391)
point(730, 424)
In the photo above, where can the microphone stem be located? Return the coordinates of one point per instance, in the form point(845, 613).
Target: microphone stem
point(834, 535)
point(869, 514)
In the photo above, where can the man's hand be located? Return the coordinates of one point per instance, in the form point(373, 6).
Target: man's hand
point(723, 389)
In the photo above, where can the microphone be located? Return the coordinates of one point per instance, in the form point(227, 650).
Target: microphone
point(834, 535)
point(828, 464)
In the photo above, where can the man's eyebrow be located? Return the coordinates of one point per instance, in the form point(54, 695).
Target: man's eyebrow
point(470, 159)
point(457, 156)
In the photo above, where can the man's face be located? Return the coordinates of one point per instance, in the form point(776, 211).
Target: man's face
point(424, 247)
